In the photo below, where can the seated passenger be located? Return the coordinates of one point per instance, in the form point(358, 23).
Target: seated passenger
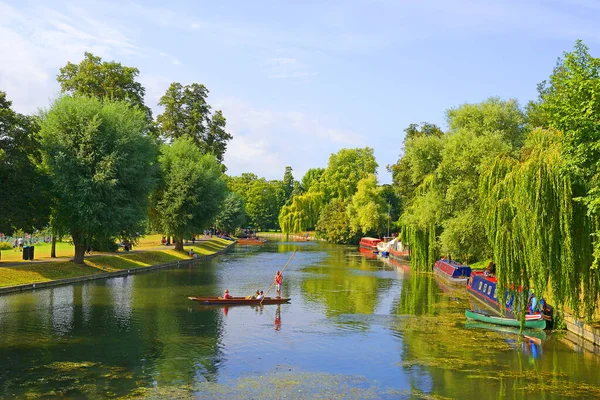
point(226, 295)
point(260, 296)
point(254, 296)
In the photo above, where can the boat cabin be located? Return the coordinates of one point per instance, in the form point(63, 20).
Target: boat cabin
point(369, 243)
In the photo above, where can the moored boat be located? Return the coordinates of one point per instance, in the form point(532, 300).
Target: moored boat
point(383, 247)
point(452, 272)
point(483, 288)
point(399, 251)
point(253, 240)
point(369, 243)
point(532, 321)
point(239, 300)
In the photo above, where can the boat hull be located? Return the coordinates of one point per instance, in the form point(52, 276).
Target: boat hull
point(453, 273)
point(239, 300)
point(531, 321)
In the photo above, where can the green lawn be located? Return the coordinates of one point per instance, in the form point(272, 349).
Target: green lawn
point(41, 251)
point(48, 271)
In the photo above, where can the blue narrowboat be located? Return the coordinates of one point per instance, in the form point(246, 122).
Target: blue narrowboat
point(452, 272)
point(484, 288)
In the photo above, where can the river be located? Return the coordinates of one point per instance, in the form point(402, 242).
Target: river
point(356, 328)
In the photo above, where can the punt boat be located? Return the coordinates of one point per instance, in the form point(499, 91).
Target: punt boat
point(239, 300)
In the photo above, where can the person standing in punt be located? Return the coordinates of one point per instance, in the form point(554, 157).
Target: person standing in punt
point(278, 281)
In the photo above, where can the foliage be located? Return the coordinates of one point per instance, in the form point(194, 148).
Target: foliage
point(488, 117)
point(334, 224)
point(94, 78)
point(302, 214)
point(187, 114)
point(263, 203)
point(23, 189)
point(538, 230)
point(440, 178)
point(190, 192)
point(367, 209)
point(232, 213)
point(100, 164)
point(571, 103)
point(345, 169)
point(311, 178)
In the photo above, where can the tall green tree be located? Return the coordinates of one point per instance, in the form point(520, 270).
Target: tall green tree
point(232, 213)
point(311, 178)
point(95, 78)
point(570, 102)
point(334, 223)
point(190, 192)
point(100, 165)
point(188, 114)
point(25, 203)
point(262, 204)
point(345, 169)
point(367, 209)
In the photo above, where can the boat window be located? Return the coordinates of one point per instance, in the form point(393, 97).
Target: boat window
point(489, 290)
point(480, 285)
point(484, 288)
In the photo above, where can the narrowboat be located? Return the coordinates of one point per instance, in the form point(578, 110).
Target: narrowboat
point(399, 251)
point(383, 247)
point(483, 288)
point(452, 272)
point(369, 243)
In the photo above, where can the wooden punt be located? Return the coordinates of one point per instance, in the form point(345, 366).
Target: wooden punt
point(532, 321)
point(239, 300)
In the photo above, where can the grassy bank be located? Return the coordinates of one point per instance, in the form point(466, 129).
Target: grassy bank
point(48, 271)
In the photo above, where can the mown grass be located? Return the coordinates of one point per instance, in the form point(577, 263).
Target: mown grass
point(41, 251)
point(48, 271)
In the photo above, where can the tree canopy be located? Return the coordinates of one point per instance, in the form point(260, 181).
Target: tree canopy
point(190, 192)
point(25, 204)
point(188, 114)
point(95, 78)
point(100, 165)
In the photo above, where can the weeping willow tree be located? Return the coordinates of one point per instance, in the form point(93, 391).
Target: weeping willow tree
point(301, 214)
point(419, 224)
point(538, 229)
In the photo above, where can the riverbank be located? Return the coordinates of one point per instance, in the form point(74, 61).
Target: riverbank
point(33, 275)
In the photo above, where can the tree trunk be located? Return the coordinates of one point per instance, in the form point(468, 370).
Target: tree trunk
point(79, 242)
point(178, 243)
point(53, 248)
point(79, 253)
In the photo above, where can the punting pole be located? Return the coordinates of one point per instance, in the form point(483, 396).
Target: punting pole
point(286, 264)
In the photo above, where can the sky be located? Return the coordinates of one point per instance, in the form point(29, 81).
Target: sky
point(300, 80)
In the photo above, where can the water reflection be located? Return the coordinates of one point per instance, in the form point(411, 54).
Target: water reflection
point(354, 325)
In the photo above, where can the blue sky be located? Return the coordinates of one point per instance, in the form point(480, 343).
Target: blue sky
point(300, 80)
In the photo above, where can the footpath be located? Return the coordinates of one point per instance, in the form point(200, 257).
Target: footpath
point(29, 275)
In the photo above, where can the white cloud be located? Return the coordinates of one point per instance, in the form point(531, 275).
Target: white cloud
point(36, 43)
point(266, 141)
point(195, 25)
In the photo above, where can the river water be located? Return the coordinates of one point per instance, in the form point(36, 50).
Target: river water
point(356, 328)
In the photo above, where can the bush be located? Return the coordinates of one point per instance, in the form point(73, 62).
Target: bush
point(5, 246)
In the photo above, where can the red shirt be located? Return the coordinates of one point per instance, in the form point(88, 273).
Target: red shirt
point(278, 279)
